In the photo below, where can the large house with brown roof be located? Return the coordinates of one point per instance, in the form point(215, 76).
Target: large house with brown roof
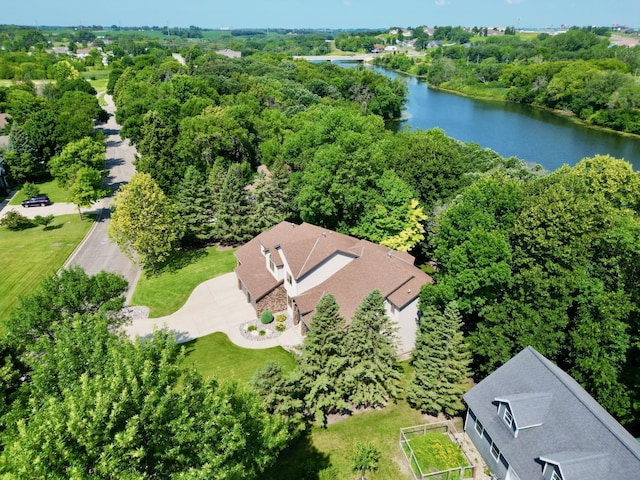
point(290, 267)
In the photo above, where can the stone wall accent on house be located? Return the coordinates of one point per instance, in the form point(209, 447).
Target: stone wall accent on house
point(276, 301)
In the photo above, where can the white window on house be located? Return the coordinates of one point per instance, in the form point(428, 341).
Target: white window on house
point(555, 476)
point(289, 280)
point(508, 418)
point(495, 451)
point(479, 428)
point(272, 265)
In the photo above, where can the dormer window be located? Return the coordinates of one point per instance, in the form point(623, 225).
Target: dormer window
point(555, 476)
point(508, 417)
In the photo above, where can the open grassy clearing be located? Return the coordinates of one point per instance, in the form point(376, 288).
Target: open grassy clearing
point(326, 453)
point(29, 256)
point(50, 188)
point(166, 291)
point(215, 356)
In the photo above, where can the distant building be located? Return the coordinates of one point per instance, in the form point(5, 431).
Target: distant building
point(229, 53)
point(530, 420)
point(4, 182)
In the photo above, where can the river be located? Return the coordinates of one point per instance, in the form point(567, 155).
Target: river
point(528, 133)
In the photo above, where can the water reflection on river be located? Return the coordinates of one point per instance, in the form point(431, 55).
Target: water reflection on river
point(528, 133)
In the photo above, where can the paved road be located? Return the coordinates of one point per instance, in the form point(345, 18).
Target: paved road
point(96, 252)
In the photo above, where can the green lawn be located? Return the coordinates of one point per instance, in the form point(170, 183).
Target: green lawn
point(325, 454)
point(215, 356)
point(436, 452)
point(29, 256)
point(165, 292)
point(51, 189)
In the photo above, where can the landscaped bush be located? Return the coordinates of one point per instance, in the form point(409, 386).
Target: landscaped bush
point(251, 328)
point(266, 317)
point(262, 333)
point(281, 318)
point(30, 190)
point(14, 221)
point(280, 327)
point(44, 221)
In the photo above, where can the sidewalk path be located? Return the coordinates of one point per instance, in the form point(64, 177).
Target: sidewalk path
point(216, 305)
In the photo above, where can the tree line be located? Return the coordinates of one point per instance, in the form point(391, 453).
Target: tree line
point(579, 71)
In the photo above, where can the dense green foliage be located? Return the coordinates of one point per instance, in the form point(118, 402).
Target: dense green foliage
point(145, 223)
point(550, 262)
point(86, 402)
point(441, 363)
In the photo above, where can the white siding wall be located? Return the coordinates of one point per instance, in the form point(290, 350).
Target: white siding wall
point(407, 319)
point(321, 273)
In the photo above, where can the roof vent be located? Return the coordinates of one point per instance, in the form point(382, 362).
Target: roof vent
point(389, 254)
point(409, 291)
point(324, 234)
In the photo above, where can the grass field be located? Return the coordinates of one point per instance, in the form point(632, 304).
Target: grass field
point(31, 255)
point(165, 292)
point(215, 356)
point(326, 453)
point(436, 452)
point(51, 189)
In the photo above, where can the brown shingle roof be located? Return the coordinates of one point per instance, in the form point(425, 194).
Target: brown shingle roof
point(377, 268)
point(252, 272)
point(307, 246)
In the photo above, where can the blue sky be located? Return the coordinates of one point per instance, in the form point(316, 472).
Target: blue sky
point(321, 13)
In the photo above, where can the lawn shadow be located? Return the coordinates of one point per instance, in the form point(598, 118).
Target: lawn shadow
point(300, 461)
point(177, 261)
point(57, 226)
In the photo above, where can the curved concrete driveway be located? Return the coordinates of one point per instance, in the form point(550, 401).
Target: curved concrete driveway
point(216, 305)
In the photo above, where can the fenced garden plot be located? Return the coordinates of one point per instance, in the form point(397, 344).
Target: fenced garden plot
point(434, 453)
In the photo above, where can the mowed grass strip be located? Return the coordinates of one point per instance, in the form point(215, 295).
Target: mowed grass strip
point(165, 292)
point(29, 256)
point(51, 189)
point(215, 356)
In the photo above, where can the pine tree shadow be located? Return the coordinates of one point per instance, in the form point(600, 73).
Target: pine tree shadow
point(177, 261)
point(300, 461)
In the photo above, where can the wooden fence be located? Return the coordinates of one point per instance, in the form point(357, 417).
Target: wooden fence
point(446, 428)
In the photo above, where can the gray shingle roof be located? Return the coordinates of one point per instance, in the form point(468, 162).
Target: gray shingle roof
point(579, 465)
point(528, 409)
point(574, 421)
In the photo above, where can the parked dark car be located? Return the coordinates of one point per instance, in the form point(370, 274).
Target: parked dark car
point(39, 201)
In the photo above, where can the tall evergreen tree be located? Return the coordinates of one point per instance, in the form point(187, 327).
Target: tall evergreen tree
point(195, 205)
point(233, 216)
point(323, 361)
point(441, 363)
point(371, 344)
point(272, 200)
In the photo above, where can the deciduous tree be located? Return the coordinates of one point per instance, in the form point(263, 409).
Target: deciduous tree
point(145, 223)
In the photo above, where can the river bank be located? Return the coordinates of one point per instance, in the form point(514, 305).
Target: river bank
point(534, 135)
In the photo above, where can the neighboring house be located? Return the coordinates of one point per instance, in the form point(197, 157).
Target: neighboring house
point(4, 182)
point(229, 53)
point(530, 420)
point(290, 267)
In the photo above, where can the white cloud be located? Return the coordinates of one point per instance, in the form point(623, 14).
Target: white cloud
point(441, 3)
point(346, 3)
point(515, 2)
